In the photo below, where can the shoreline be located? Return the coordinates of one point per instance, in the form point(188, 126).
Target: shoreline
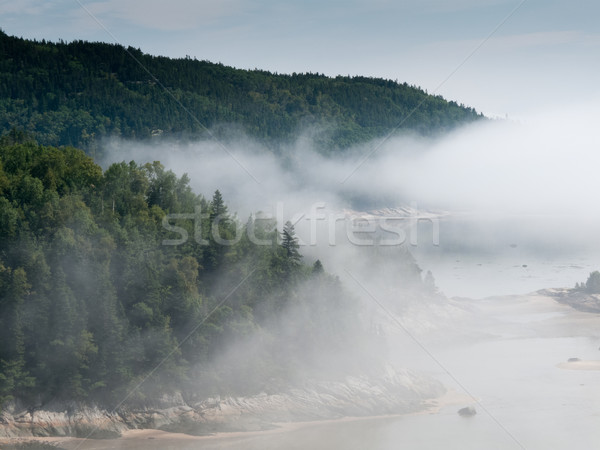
point(393, 391)
point(526, 316)
point(158, 439)
point(579, 365)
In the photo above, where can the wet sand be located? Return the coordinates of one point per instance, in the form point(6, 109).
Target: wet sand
point(579, 365)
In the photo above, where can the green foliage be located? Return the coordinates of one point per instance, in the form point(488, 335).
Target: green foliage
point(77, 93)
point(317, 268)
point(289, 242)
point(592, 285)
point(91, 302)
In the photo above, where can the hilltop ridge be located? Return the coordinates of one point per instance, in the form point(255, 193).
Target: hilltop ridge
point(79, 92)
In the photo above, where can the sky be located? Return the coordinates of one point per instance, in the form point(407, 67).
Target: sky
point(512, 58)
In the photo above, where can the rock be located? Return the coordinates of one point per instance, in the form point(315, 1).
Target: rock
point(573, 360)
point(467, 411)
point(393, 392)
point(60, 420)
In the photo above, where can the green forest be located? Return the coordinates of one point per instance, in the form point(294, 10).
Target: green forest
point(79, 92)
point(123, 283)
point(93, 298)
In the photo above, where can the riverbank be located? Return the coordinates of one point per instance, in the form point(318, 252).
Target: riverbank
point(508, 354)
point(394, 392)
point(575, 298)
point(153, 439)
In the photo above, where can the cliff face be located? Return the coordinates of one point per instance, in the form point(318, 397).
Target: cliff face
point(395, 392)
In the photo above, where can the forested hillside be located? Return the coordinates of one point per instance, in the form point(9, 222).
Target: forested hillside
point(94, 295)
point(76, 93)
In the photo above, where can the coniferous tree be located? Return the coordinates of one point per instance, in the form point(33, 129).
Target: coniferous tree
point(317, 268)
point(91, 302)
point(592, 284)
point(218, 232)
point(429, 282)
point(218, 207)
point(289, 242)
point(87, 91)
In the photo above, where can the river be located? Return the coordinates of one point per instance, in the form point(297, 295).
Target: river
point(507, 359)
point(525, 400)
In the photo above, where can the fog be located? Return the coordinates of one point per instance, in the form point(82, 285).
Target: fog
point(545, 165)
point(495, 208)
point(503, 193)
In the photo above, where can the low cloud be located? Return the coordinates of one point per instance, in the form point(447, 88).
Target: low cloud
point(547, 166)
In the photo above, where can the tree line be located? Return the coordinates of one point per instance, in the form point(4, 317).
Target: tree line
point(79, 92)
point(92, 302)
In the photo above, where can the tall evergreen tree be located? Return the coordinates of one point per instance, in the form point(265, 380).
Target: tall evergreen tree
point(289, 242)
point(91, 303)
point(218, 209)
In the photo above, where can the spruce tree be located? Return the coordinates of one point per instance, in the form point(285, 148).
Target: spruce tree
point(289, 242)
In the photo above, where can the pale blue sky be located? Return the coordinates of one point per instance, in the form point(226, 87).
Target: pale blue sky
point(547, 54)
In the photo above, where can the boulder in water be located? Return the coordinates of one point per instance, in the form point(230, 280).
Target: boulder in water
point(467, 411)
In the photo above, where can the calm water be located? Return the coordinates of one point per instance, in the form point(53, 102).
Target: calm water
point(504, 353)
point(501, 256)
point(530, 402)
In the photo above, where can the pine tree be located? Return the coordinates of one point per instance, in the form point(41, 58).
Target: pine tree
point(289, 242)
point(220, 229)
point(217, 206)
point(317, 268)
point(429, 282)
point(592, 284)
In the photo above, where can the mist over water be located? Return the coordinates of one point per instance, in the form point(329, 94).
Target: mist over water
point(515, 200)
point(416, 313)
point(495, 208)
